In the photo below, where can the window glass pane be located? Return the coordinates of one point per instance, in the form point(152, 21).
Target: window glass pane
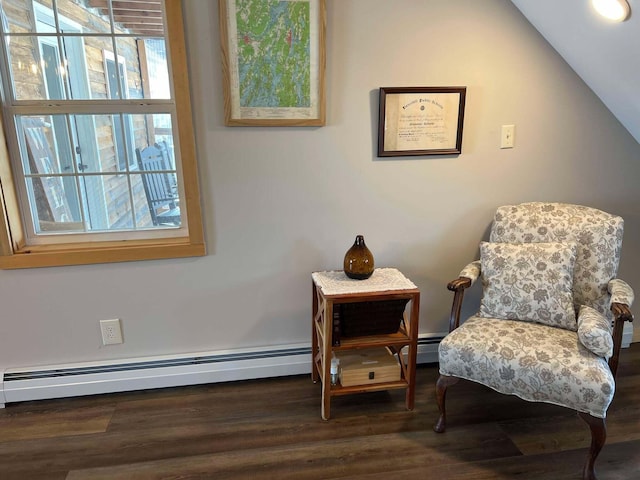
point(163, 203)
point(161, 131)
point(95, 67)
point(47, 147)
point(39, 72)
point(106, 143)
point(142, 130)
point(53, 68)
point(52, 199)
point(142, 18)
point(154, 70)
point(115, 75)
point(142, 212)
point(115, 142)
point(94, 202)
point(27, 70)
point(129, 67)
point(17, 16)
point(90, 20)
point(118, 202)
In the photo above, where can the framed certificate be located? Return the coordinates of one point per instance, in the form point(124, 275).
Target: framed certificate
point(421, 121)
point(273, 62)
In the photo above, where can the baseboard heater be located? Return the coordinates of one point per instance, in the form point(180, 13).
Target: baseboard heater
point(71, 380)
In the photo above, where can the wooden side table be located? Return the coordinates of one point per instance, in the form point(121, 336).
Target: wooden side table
point(332, 288)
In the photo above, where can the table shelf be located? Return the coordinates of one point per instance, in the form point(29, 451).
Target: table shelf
point(368, 341)
point(340, 390)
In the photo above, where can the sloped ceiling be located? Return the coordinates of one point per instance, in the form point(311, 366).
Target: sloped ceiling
point(605, 55)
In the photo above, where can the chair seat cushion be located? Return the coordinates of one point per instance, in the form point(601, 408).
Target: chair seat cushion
point(535, 362)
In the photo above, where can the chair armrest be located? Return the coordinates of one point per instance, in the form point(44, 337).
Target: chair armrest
point(468, 276)
point(621, 313)
point(594, 332)
point(459, 283)
point(472, 271)
point(621, 293)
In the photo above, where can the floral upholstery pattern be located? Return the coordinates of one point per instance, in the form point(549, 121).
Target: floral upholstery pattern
point(472, 271)
point(594, 332)
point(598, 235)
point(620, 292)
point(536, 362)
point(531, 282)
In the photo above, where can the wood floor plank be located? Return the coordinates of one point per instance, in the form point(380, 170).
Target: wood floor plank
point(554, 434)
point(621, 463)
point(271, 429)
point(146, 442)
point(319, 460)
point(54, 423)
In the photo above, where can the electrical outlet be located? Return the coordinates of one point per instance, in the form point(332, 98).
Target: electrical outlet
point(111, 332)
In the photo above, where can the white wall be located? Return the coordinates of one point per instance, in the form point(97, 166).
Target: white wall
point(280, 203)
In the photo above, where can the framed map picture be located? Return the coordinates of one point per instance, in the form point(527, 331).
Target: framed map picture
point(273, 61)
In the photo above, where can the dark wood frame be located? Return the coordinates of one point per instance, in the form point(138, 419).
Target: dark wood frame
point(383, 120)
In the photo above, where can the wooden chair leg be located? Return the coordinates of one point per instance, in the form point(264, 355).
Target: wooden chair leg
point(443, 382)
point(598, 428)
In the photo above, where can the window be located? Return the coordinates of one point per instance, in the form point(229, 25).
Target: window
point(99, 164)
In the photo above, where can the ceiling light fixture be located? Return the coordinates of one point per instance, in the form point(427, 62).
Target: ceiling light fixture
point(614, 10)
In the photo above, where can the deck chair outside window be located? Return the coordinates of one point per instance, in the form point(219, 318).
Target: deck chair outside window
point(549, 298)
point(159, 184)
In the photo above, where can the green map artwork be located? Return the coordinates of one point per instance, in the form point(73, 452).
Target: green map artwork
point(273, 42)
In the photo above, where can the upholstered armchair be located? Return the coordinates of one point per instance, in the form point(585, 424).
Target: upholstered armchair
point(544, 328)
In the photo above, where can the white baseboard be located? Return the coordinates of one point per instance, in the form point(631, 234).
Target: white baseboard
point(70, 380)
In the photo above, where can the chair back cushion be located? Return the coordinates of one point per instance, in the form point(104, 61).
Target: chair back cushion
point(598, 236)
point(531, 282)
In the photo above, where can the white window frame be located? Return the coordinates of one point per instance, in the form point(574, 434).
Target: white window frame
point(18, 249)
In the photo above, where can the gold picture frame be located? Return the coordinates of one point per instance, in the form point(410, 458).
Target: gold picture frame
point(273, 62)
point(421, 121)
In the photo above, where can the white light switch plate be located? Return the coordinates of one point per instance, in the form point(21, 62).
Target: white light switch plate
point(508, 133)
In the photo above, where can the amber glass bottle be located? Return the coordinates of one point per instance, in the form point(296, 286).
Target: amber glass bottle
point(358, 261)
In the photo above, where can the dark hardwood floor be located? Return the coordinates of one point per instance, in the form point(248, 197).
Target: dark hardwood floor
point(271, 429)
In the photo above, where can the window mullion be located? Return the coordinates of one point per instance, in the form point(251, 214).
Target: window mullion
point(132, 200)
point(107, 107)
